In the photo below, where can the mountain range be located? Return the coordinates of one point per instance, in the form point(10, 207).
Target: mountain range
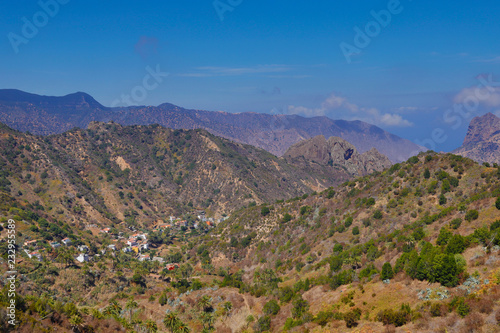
point(45, 115)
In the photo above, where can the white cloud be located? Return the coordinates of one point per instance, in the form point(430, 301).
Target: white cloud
point(339, 107)
point(486, 96)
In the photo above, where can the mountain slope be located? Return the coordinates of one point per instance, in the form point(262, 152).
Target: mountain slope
point(108, 172)
point(274, 133)
point(336, 151)
point(482, 142)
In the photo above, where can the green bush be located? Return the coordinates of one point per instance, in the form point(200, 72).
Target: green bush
point(272, 308)
point(355, 231)
point(387, 272)
point(265, 211)
point(471, 215)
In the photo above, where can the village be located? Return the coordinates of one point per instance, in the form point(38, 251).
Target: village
point(138, 244)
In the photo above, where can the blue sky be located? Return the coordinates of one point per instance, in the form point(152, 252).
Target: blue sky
point(273, 57)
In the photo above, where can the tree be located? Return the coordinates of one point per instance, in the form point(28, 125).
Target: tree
point(444, 270)
point(471, 215)
point(171, 321)
point(300, 307)
point(427, 173)
point(227, 307)
point(287, 218)
point(377, 214)
point(263, 324)
point(205, 303)
point(387, 272)
point(456, 244)
point(265, 211)
point(208, 321)
point(272, 308)
point(76, 322)
point(355, 230)
point(442, 199)
point(150, 326)
point(497, 203)
point(130, 306)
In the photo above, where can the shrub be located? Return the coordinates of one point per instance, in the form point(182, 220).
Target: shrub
point(300, 306)
point(355, 231)
point(351, 318)
point(377, 214)
point(442, 199)
point(323, 317)
point(272, 308)
point(474, 322)
point(460, 306)
point(263, 324)
point(287, 218)
point(455, 223)
point(265, 211)
point(471, 215)
point(387, 272)
point(497, 203)
point(348, 221)
point(437, 310)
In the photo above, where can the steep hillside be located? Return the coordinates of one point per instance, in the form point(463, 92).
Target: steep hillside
point(274, 133)
point(482, 142)
point(109, 171)
point(412, 248)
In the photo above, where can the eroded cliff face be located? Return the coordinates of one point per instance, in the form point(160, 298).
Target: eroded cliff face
point(482, 142)
point(339, 152)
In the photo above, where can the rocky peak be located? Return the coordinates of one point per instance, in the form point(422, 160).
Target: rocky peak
point(482, 128)
point(482, 142)
point(338, 152)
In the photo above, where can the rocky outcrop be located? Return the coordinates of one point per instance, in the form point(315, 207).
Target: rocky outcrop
point(482, 142)
point(338, 152)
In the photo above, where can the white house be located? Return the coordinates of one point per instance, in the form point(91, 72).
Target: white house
point(112, 247)
point(127, 249)
point(35, 254)
point(143, 257)
point(131, 242)
point(159, 259)
point(66, 241)
point(83, 257)
point(144, 246)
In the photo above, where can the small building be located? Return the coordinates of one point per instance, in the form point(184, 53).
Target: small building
point(144, 246)
point(159, 259)
point(83, 248)
point(66, 241)
point(143, 257)
point(127, 249)
point(171, 267)
point(106, 230)
point(132, 242)
point(112, 247)
point(83, 257)
point(55, 245)
point(34, 255)
point(139, 236)
point(31, 242)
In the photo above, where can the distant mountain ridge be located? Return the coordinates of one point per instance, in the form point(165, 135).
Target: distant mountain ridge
point(482, 142)
point(45, 115)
